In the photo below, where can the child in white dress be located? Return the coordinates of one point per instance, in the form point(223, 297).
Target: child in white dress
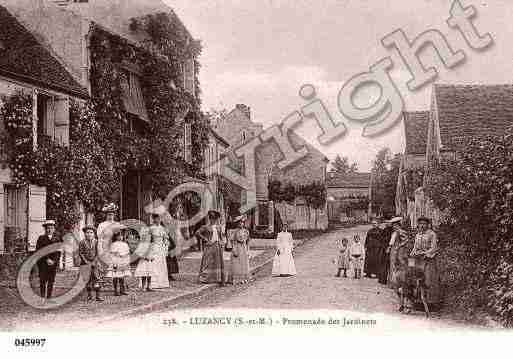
point(120, 267)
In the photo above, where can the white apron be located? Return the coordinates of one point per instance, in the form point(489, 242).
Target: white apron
point(283, 264)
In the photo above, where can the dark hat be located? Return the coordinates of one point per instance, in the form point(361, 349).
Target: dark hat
point(424, 219)
point(88, 227)
point(213, 214)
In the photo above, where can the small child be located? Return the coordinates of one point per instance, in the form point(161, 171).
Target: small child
point(356, 252)
point(120, 267)
point(343, 260)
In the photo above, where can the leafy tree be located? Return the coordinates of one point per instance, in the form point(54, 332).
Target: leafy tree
point(385, 170)
point(341, 165)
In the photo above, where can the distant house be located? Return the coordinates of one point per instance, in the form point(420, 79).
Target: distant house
point(237, 128)
point(458, 113)
point(413, 162)
point(348, 195)
point(217, 147)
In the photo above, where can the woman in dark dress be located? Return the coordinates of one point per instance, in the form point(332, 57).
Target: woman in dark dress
point(372, 244)
point(171, 260)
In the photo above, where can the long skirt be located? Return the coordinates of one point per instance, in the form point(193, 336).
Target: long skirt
point(283, 264)
point(211, 267)
point(159, 279)
point(391, 280)
point(371, 261)
point(239, 263)
point(172, 265)
point(384, 262)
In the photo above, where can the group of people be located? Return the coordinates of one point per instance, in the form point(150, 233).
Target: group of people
point(106, 249)
point(397, 257)
point(216, 240)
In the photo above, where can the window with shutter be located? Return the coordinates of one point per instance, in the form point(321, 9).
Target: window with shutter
point(189, 76)
point(36, 213)
point(45, 117)
point(132, 95)
point(16, 220)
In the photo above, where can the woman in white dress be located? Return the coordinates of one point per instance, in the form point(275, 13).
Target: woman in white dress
point(160, 244)
point(283, 263)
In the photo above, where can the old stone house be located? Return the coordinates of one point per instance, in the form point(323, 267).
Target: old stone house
point(47, 51)
point(51, 86)
point(348, 196)
point(237, 127)
point(413, 162)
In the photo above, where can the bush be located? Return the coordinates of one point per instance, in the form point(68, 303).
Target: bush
point(476, 190)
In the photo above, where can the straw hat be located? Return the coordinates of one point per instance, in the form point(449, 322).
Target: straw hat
point(396, 220)
point(110, 208)
point(49, 222)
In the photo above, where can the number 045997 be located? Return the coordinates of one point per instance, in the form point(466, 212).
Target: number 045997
point(29, 342)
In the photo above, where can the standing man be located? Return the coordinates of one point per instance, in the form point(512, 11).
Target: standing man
point(372, 243)
point(47, 265)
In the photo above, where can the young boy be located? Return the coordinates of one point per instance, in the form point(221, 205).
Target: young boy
point(356, 252)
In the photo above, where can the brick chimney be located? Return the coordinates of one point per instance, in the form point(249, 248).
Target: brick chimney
point(245, 109)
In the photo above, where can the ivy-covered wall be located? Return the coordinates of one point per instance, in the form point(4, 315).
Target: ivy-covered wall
point(103, 147)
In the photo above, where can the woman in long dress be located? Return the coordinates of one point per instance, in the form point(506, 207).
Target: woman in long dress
point(160, 244)
point(283, 263)
point(425, 251)
point(240, 253)
point(397, 237)
point(212, 264)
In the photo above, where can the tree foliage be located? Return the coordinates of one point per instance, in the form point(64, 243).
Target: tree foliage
point(341, 165)
point(475, 189)
point(385, 170)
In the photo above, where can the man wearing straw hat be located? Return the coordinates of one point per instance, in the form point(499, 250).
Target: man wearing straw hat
point(47, 265)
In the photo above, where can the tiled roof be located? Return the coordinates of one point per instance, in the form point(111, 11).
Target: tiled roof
point(466, 111)
point(415, 131)
point(352, 180)
point(23, 57)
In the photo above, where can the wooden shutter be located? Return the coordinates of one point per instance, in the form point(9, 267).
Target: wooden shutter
point(189, 79)
point(187, 142)
point(36, 213)
point(50, 117)
point(2, 218)
point(62, 121)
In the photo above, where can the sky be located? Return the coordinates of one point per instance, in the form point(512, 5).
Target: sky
point(261, 52)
